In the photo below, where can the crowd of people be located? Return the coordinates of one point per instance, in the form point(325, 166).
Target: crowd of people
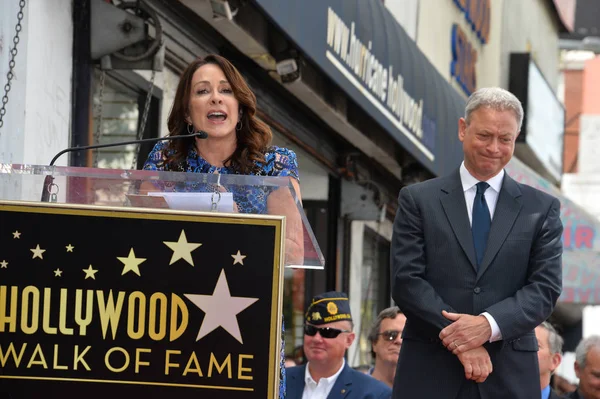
point(475, 257)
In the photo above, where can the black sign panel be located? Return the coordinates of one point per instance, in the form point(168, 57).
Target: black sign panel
point(97, 302)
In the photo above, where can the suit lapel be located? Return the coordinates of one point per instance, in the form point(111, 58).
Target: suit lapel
point(507, 209)
point(455, 208)
point(295, 382)
point(343, 384)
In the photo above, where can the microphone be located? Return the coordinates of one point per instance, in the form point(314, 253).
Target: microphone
point(49, 180)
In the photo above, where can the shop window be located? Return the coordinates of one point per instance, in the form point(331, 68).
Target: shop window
point(118, 108)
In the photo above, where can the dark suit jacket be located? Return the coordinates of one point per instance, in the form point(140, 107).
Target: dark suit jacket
point(573, 395)
point(554, 395)
point(434, 269)
point(350, 384)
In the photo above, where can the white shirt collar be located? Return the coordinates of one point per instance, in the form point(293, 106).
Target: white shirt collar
point(468, 181)
point(329, 380)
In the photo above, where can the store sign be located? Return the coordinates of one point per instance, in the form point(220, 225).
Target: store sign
point(464, 55)
point(464, 60)
point(354, 59)
point(362, 48)
point(581, 241)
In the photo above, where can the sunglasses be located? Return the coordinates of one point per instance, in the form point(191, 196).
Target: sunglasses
point(390, 335)
point(326, 332)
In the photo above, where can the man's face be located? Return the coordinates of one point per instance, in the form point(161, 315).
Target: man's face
point(548, 362)
point(328, 351)
point(589, 376)
point(488, 141)
point(385, 349)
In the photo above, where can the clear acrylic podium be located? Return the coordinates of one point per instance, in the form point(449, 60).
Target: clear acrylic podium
point(125, 282)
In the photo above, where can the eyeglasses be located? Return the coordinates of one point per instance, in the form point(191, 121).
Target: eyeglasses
point(326, 332)
point(390, 335)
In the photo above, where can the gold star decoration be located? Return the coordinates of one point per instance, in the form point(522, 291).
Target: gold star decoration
point(90, 273)
point(182, 249)
point(238, 258)
point(131, 263)
point(70, 248)
point(4, 264)
point(16, 234)
point(37, 252)
point(58, 273)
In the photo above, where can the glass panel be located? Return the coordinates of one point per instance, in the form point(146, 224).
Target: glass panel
point(175, 190)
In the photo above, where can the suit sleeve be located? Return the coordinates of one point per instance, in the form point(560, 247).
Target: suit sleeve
point(534, 302)
point(410, 290)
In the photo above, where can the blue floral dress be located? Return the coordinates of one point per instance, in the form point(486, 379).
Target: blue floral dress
point(278, 162)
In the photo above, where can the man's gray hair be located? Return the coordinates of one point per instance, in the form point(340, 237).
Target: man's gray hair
point(497, 99)
point(555, 341)
point(584, 347)
point(387, 313)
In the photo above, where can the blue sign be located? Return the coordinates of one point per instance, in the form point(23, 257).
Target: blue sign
point(365, 51)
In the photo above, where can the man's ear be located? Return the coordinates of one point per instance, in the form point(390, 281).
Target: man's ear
point(556, 359)
point(350, 339)
point(577, 370)
point(462, 128)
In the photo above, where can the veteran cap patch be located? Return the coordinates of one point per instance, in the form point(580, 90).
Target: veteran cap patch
point(328, 307)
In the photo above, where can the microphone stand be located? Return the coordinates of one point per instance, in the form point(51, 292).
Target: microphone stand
point(49, 180)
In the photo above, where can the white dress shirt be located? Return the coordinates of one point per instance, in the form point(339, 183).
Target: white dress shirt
point(320, 390)
point(469, 184)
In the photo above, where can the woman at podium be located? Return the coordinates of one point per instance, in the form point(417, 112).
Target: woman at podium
point(213, 97)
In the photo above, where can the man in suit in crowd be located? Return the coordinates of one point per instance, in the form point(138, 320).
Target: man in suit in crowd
point(549, 356)
point(327, 335)
point(587, 369)
point(386, 341)
point(476, 266)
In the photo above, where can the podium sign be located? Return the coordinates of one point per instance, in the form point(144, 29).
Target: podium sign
point(98, 301)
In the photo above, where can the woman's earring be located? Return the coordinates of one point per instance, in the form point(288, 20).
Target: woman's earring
point(190, 128)
point(238, 125)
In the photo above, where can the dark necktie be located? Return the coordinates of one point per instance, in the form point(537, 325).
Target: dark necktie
point(481, 221)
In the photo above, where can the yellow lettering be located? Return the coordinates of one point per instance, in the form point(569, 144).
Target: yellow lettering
point(35, 311)
point(220, 368)
point(242, 369)
point(107, 357)
point(89, 302)
point(110, 313)
point(11, 352)
point(11, 317)
point(139, 298)
point(161, 309)
point(197, 369)
point(41, 362)
point(138, 362)
point(62, 316)
point(168, 363)
point(177, 306)
point(78, 358)
point(55, 365)
point(46, 313)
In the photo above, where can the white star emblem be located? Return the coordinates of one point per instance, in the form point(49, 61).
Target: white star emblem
point(131, 263)
point(16, 234)
point(4, 264)
point(70, 248)
point(90, 273)
point(238, 258)
point(182, 249)
point(58, 273)
point(37, 252)
point(220, 309)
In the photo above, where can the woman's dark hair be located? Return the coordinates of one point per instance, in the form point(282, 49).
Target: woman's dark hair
point(254, 137)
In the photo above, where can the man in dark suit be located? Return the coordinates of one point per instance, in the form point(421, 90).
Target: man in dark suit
point(327, 335)
point(549, 356)
point(476, 266)
point(587, 369)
